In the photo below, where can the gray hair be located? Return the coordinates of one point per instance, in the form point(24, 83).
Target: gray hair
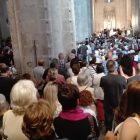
point(61, 55)
point(4, 106)
point(80, 57)
point(111, 66)
point(82, 79)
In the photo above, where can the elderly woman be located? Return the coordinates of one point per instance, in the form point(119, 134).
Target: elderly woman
point(22, 95)
point(75, 70)
point(82, 80)
point(38, 122)
point(50, 95)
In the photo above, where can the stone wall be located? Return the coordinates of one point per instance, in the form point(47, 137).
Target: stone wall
point(83, 19)
point(40, 29)
point(4, 26)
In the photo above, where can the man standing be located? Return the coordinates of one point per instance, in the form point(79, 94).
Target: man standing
point(38, 73)
point(109, 57)
point(137, 76)
point(61, 63)
point(84, 49)
point(113, 86)
point(6, 83)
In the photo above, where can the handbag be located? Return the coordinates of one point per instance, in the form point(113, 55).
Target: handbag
point(92, 136)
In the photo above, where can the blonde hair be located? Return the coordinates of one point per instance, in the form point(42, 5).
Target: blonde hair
point(50, 95)
point(52, 74)
point(22, 95)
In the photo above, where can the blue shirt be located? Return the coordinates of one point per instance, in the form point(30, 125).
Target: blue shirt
point(104, 65)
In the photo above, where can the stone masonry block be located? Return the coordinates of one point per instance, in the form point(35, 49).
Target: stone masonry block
point(65, 13)
point(66, 25)
point(64, 3)
point(39, 3)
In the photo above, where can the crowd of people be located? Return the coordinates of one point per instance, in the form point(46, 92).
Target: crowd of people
point(98, 86)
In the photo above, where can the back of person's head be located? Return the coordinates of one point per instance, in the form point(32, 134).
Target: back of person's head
point(82, 79)
point(50, 95)
point(73, 61)
point(61, 56)
point(26, 76)
point(22, 95)
point(119, 111)
point(76, 69)
point(86, 42)
point(111, 66)
point(109, 55)
point(4, 106)
point(4, 68)
point(99, 68)
point(93, 60)
point(80, 57)
point(41, 62)
point(73, 51)
point(86, 98)
point(126, 62)
point(71, 56)
point(138, 68)
point(55, 61)
point(37, 121)
point(84, 63)
point(6, 51)
point(67, 96)
point(133, 99)
point(53, 65)
point(52, 74)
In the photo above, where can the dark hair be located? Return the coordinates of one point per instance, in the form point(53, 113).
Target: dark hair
point(127, 65)
point(132, 99)
point(68, 95)
point(93, 61)
point(84, 63)
point(4, 68)
point(111, 66)
point(73, 61)
point(86, 98)
point(119, 111)
point(26, 76)
point(99, 68)
point(6, 51)
point(73, 51)
point(1, 51)
point(53, 65)
point(76, 69)
point(79, 50)
point(41, 62)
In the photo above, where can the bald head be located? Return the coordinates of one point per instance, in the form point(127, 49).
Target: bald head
point(41, 62)
point(109, 55)
point(138, 68)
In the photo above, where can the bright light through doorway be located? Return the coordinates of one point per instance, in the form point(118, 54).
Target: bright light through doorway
point(109, 1)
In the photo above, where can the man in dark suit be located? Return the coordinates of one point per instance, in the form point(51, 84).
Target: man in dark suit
point(84, 49)
point(137, 76)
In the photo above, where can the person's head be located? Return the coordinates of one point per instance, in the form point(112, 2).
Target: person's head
point(73, 61)
point(99, 68)
point(73, 51)
point(4, 106)
point(4, 69)
point(138, 68)
point(93, 60)
point(84, 63)
point(79, 50)
point(50, 95)
point(68, 96)
point(54, 63)
point(22, 95)
point(41, 63)
point(61, 56)
point(80, 57)
point(119, 111)
point(1, 51)
point(132, 99)
point(2, 98)
point(86, 98)
point(52, 74)
point(76, 69)
point(111, 66)
point(71, 56)
point(26, 76)
point(38, 121)
point(7, 51)
point(109, 55)
point(82, 79)
point(126, 62)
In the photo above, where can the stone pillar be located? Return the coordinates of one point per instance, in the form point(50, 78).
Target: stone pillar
point(4, 23)
point(40, 29)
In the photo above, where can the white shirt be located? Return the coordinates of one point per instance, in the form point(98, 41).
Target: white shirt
point(74, 80)
point(97, 89)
